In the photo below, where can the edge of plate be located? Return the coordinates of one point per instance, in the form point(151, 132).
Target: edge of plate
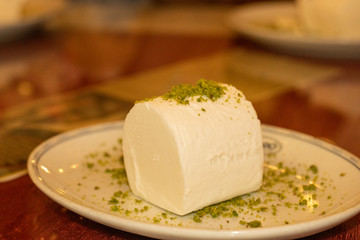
point(169, 232)
point(287, 42)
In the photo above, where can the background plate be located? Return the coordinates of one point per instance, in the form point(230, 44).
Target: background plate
point(256, 20)
point(35, 13)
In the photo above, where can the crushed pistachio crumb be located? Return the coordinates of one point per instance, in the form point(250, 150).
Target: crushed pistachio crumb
point(310, 187)
point(254, 224)
point(156, 220)
point(242, 222)
point(314, 169)
point(303, 202)
point(113, 201)
point(90, 165)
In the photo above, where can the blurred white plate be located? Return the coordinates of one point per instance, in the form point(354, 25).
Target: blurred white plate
point(256, 21)
point(71, 169)
point(34, 13)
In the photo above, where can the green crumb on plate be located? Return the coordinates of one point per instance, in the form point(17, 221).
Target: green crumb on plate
point(310, 187)
point(156, 220)
point(197, 218)
point(115, 208)
point(254, 224)
point(313, 169)
point(113, 201)
point(303, 202)
point(90, 165)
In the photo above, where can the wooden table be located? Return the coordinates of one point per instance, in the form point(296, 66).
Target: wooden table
point(48, 69)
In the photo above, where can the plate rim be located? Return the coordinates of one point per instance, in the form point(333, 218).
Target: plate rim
point(173, 232)
point(273, 38)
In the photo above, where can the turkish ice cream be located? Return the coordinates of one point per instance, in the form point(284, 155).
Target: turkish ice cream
point(192, 147)
point(334, 18)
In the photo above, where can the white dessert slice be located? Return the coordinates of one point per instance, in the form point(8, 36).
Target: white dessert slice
point(331, 18)
point(185, 156)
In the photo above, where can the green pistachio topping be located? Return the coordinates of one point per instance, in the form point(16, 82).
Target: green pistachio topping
point(201, 92)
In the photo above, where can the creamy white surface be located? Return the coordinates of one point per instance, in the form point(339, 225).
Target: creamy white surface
point(335, 18)
point(182, 158)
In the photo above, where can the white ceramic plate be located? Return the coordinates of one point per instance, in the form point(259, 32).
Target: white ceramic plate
point(17, 29)
point(256, 22)
point(80, 170)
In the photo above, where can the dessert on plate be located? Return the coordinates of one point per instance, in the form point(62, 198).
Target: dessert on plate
point(193, 146)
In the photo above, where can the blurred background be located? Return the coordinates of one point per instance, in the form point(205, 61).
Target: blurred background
point(69, 63)
point(48, 47)
point(65, 64)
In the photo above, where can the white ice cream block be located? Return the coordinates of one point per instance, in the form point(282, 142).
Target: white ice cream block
point(185, 157)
